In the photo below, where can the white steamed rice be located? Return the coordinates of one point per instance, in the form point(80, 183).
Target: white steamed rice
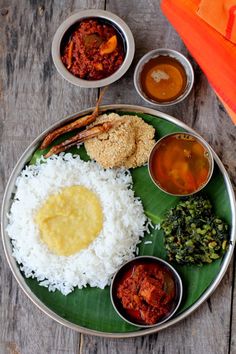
point(124, 223)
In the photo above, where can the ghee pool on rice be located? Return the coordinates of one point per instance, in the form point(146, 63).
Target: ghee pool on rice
point(70, 220)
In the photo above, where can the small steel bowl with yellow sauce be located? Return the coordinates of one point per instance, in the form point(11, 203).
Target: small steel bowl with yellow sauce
point(163, 77)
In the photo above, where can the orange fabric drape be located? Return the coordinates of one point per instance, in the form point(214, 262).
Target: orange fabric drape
point(214, 53)
point(220, 14)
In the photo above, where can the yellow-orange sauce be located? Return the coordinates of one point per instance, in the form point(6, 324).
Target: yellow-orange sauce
point(70, 220)
point(163, 79)
point(180, 164)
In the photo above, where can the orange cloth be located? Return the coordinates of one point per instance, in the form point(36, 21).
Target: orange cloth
point(215, 54)
point(220, 14)
point(231, 113)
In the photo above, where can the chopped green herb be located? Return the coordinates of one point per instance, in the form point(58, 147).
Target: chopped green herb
point(193, 234)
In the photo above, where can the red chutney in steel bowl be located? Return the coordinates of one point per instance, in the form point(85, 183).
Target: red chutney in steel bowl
point(93, 50)
point(146, 292)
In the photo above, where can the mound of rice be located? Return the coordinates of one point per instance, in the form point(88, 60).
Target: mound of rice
point(124, 223)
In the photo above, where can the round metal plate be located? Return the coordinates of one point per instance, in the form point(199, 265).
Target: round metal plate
point(8, 248)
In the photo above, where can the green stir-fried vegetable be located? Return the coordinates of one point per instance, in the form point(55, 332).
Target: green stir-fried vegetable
point(193, 234)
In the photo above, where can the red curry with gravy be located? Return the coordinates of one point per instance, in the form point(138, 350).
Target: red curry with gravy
point(93, 51)
point(146, 292)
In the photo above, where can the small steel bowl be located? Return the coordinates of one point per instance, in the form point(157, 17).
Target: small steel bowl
point(198, 139)
point(170, 53)
point(109, 18)
point(177, 284)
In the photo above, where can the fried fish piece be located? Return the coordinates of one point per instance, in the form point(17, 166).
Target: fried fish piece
point(81, 137)
point(78, 123)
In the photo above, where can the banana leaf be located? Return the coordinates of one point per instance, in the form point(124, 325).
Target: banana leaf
point(91, 308)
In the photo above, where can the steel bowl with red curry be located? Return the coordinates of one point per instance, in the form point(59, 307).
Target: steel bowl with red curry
point(146, 291)
point(92, 50)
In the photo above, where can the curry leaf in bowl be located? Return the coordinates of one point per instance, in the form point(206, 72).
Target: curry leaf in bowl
point(193, 234)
